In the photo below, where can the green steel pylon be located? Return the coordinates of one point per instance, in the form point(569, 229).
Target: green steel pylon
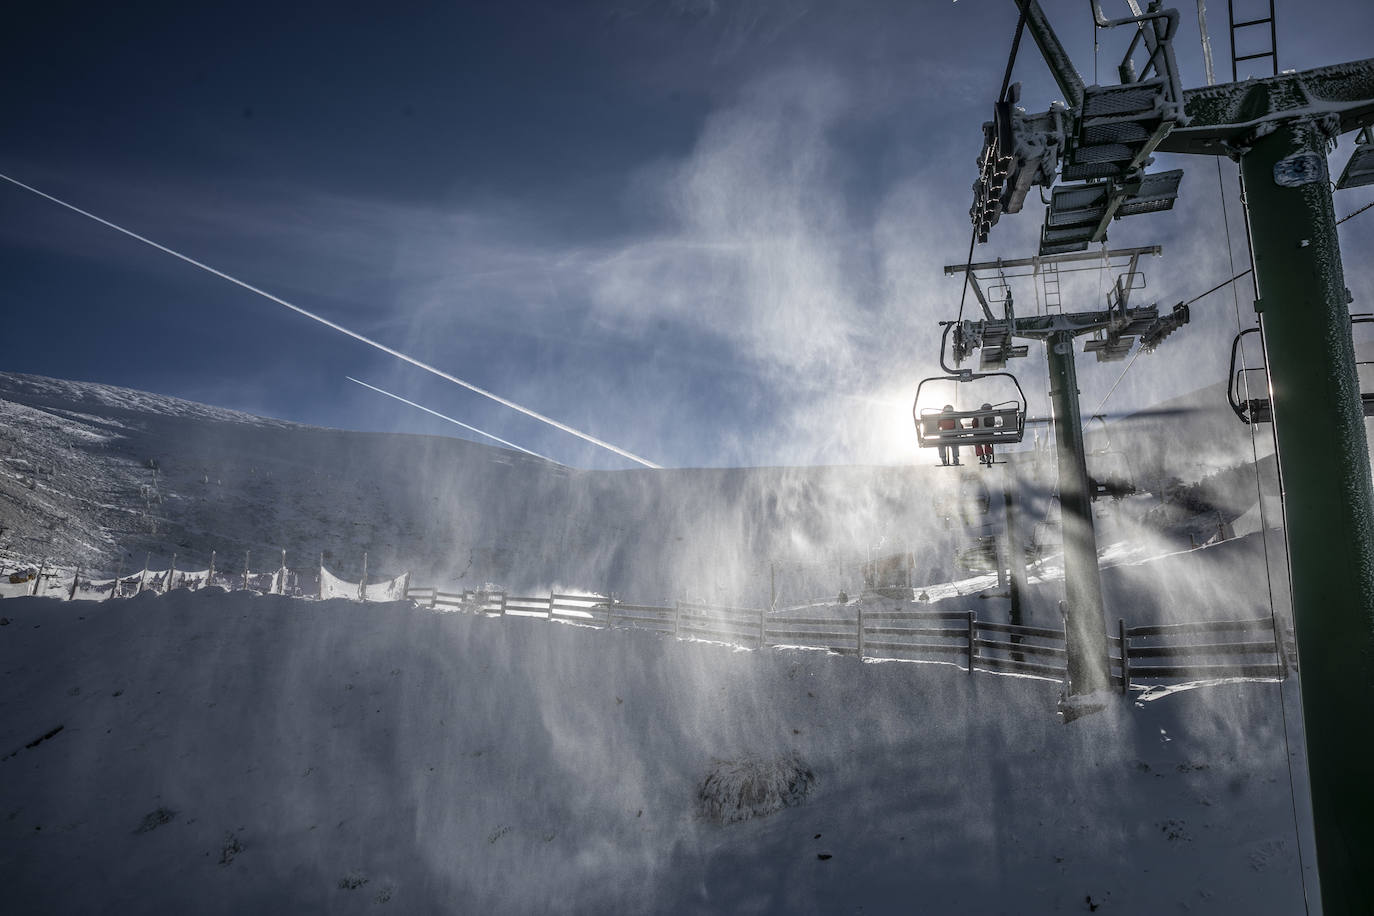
point(1280, 129)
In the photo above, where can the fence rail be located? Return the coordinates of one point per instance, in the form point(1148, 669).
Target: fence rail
point(1155, 652)
point(1265, 654)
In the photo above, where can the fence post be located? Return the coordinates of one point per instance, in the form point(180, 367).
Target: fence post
point(1125, 657)
point(763, 628)
point(772, 586)
point(143, 576)
point(210, 576)
point(677, 618)
point(320, 596)
point(281, 587)
point(860, 629)
point(76, 577)
point(972, 648)
point(1279, 652)
point(119, 571)
point(171, 575)
point(247, 556)
point(434, 598)
point(362, 583)
point(503, 604)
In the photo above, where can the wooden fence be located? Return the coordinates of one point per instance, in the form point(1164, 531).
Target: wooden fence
point(1165, 652)
point(1228, 648)
point(1152, 653)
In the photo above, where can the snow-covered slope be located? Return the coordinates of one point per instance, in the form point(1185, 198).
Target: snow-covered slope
point(99, 477)
point(217, 753)
point(204, 751)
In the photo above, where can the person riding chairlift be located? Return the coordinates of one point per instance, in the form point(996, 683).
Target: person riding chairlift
point(988, 420)
point(948, 422)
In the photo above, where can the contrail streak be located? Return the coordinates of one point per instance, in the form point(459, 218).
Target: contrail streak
point(450, 419)
point(343, 330)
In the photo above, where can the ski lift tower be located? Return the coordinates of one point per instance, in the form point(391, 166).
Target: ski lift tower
point(1114, 330)
point(1280, 129)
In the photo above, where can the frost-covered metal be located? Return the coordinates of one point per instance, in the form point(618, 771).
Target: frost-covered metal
point(1228, 118)
point(1359, 171)
point(1114, 331)
point(1103, 137)
point(1281, 129)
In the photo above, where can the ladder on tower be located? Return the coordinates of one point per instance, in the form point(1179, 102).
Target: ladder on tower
point(1049, 282)
point(1250, 27)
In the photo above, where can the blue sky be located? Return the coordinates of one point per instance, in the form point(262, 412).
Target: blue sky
point(709, 232)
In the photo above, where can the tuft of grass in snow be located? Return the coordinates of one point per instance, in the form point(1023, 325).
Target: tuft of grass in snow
point(737, 790)
point(231, 848)
point(155, 819)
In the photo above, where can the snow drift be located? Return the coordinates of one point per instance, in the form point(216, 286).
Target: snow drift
point(226, 752)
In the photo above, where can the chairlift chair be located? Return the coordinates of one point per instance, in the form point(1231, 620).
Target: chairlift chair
point(1109, 470)
point(1258, 409)
point(1000, 423)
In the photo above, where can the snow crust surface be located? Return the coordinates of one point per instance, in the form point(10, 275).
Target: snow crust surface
point(228, 752)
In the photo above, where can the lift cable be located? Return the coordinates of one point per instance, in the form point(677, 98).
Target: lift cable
point(1112, 390)
point(1264, 523)
point(963, 295)
point(1001, 96)
point(1356, 213)
point(1011, 57)
point(1206, 43)
point(1264, 532)
point(1209, 292)
point(1097, 43)
point(1254, 448)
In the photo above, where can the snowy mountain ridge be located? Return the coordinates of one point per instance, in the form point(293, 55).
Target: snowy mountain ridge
point(101, 403)
point(97, 477)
